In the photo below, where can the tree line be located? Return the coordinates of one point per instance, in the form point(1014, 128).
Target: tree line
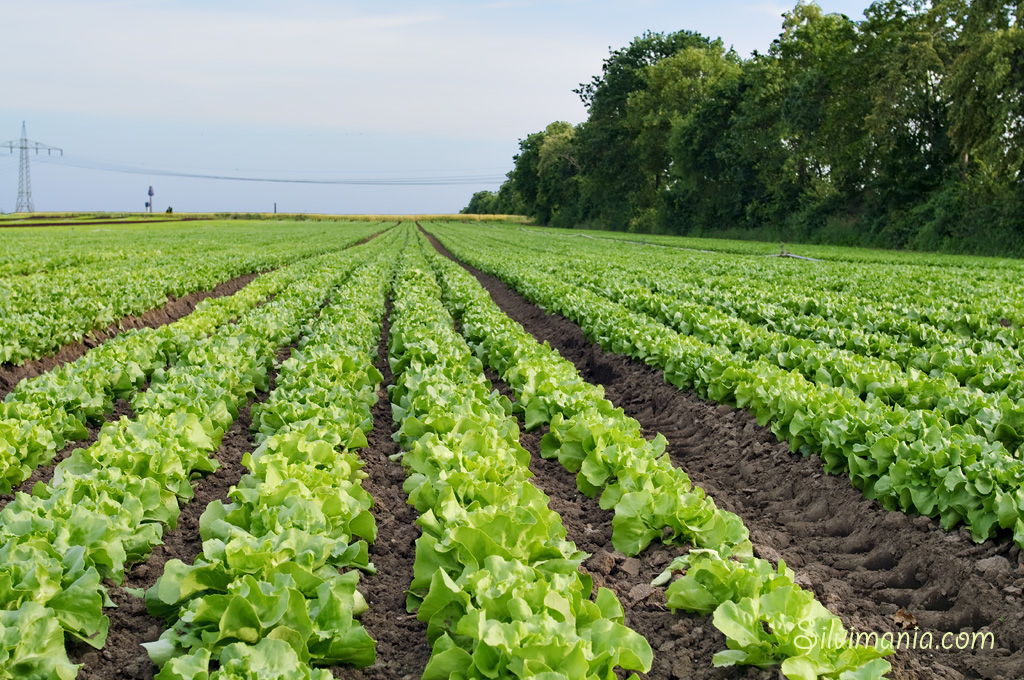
point(902, 130)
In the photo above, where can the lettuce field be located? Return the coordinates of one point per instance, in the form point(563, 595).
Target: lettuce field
point(285, 450)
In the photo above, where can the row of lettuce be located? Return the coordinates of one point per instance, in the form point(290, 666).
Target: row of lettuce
point(791, 306)
point(908, 458)
point(49, 298)
point(41, 414)
point(837, 309)
point(273, 593)
point(494, 578)
point(963, 296)
point(107, 505)
point(994, 413)
point(767, 619)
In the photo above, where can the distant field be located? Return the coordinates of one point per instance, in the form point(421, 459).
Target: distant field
point(35, 219)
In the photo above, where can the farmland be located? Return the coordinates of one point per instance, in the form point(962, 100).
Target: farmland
point(234, 449)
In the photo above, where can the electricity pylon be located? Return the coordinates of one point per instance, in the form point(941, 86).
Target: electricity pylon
point(24, 179)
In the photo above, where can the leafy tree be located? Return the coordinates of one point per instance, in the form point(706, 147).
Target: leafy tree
point(903, 129)
point(677, 87)
point(501, 202)
point(986, 86)
point(713, 175)
point(524, 178)
point(558, 170)
point(615, 186)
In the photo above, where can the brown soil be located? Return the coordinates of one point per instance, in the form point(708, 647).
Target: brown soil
point(683, 644)
point(861, 561)
point(173, 309)
point(402, 647)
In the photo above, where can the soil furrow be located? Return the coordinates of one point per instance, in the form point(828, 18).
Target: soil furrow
point(863, 562)
point(402, 647)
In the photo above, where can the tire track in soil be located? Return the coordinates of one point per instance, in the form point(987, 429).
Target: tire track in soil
point(863, 562)
point(683, 644)
point(402, 647)
point(123, 657)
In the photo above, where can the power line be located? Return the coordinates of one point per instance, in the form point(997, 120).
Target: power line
point(449, 180)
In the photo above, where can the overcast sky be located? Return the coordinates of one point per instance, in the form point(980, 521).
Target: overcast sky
point(311, 90)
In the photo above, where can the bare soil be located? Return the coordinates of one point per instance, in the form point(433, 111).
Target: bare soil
point(863, 562)
point(402, 647)
point(172, 310)
point(683, 643)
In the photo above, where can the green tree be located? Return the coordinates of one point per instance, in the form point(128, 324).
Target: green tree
point(677, 87)
point(986, 86)
point(909, 155)
point(524, 179)
point(713, 176)
point(613, 183)
point(558, 175)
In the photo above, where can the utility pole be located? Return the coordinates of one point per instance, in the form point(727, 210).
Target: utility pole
point(24, 179)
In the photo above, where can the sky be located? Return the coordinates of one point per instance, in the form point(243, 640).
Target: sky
point(385, 108)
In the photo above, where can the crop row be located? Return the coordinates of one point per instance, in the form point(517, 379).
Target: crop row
point(977, 294)
point(996, 417)
point(764, 615)
point(107, 505)
point(41, 311)
point(41, 413)
point(266, 598)
point(913, 460)
point(807, 302)
point(494, 577)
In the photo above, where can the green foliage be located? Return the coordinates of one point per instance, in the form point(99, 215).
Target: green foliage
point(58, 284)
point(494, 578)
point(935, 428)
point(651, 499)
point(269, 570)
point(902, 130)
point(107, 505)
point(505, 201)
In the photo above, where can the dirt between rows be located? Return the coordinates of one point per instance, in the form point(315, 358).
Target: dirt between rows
point(683, 644)
point(863, 562)
point(402, 647)
point(172, 310)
